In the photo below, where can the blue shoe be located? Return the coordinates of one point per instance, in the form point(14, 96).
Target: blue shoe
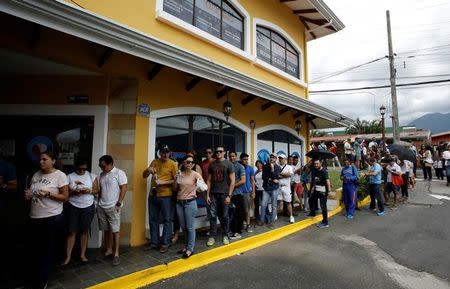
point(322, 225)
point(349, 216)
point(380, 213)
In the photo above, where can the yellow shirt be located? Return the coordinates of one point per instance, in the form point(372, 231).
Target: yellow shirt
point(165, 171)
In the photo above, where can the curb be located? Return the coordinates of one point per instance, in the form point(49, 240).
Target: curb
point(151, 275)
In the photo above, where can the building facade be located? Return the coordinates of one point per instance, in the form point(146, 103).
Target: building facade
point(87, 79)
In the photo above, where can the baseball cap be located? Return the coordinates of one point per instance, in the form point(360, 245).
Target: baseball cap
point(273, 155)
point(283, 156)
point(165, 148)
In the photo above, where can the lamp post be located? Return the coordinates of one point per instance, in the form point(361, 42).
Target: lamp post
point(298, 126)
point(382, 112)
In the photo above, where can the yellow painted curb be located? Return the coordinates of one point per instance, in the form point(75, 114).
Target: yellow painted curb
point(174, 268)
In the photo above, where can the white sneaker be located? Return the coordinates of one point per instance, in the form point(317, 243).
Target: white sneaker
point(235, 236)
point(276, 217)
point(291, 220)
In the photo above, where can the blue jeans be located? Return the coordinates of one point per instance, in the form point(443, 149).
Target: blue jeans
point(219, 210)
point(272, 197)
point(375, 194)
point(186, 215)
point(155, 206)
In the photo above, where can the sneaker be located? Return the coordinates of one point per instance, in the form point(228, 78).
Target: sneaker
point(163, 249)
point(291, 220)
point(380, 213)
point(309, 215)
point(210, 242)
point(276, 217)
point(322, 225)
point(226, 241)
point(249, 229)
point(235, 236)
point(349, 216)
point(116, 261)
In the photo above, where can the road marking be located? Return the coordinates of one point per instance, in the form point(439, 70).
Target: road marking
point(440, 197)
point(403, 276)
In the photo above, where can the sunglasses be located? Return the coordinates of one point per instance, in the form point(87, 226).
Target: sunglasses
point(188, 162)
point(219, 152)
point(209, 152)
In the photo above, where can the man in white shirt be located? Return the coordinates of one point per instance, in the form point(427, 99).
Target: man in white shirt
point(373, 144)
point(285, 184)
point(113, 186)
point(348, 149)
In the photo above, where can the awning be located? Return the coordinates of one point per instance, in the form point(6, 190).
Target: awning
point(86, 25)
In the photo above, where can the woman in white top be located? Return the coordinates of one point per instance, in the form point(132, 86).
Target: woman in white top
point(392, 168)
point(258, 190)
point(186, 184)
point(47, 193)
point(83, 186)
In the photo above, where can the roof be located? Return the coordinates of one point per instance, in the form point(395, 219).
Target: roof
point(73, 20)
point(317, 17)
point(441, 134)
point(418, 135)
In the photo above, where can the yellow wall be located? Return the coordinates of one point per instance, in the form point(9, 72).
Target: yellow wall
point(141, 15)
point(166, 90)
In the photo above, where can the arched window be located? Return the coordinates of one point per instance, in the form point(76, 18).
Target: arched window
point(273, 48)
point(186, 132)
point(216, 17)
point(278, 141)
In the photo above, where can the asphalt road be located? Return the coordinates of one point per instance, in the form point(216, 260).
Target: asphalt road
point(409, 247)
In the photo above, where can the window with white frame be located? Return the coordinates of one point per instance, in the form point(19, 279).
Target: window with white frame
point(275, 50)
point(215, 17)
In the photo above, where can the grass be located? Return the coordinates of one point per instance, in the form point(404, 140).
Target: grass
point(334, 175)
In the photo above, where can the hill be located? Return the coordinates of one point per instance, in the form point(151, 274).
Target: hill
point(436, 122)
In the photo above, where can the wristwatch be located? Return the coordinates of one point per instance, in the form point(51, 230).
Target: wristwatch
point(118, 204)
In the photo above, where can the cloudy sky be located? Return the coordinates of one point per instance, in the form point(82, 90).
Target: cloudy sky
point(421, 40)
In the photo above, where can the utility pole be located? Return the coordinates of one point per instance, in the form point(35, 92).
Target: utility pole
point(395, 122)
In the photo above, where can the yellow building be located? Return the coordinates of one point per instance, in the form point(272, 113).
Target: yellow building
point(89, 77)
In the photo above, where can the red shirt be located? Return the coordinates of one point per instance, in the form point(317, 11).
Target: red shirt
point(204, 166)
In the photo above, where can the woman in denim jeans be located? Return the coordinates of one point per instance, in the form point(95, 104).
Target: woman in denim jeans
point(186, 184)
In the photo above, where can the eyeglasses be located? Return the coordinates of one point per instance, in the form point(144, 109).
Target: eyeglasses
point(219, 152)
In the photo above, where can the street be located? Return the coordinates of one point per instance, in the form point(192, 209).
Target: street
point(407, 248)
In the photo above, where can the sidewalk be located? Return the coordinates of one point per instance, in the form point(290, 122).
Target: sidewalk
point(135, 259)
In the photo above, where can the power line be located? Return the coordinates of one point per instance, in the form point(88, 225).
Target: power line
point(381, 86)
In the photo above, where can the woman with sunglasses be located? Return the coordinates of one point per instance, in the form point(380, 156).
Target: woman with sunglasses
point(83, 186)
point(47, 192)
point(186, 184)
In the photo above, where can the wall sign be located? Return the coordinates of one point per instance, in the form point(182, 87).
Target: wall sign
point(144, 110)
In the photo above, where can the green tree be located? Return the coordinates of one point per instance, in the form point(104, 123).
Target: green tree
point(316, 133)
point(364, 127)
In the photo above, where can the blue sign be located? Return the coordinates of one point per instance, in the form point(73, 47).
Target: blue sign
point(144, 109)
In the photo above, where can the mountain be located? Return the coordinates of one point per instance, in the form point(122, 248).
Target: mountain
point(436, 122)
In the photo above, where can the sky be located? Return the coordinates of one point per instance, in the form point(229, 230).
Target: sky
point(421, 42)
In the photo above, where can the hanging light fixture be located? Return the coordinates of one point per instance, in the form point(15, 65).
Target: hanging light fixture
point(252, 124)
point(298, 126)
point(227, 108)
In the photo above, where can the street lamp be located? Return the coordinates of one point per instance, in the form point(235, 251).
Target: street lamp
point(383, 111)
point(298, 126)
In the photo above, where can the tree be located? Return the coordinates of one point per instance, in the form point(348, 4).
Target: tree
point(364, 127)
point(316, 133)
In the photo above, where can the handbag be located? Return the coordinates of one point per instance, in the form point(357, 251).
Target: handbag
point(356, 182)
point(201, 185)
point(397, 180)
point(428, 165)
point(299, 190)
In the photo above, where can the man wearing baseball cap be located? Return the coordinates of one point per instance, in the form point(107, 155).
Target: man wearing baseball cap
point(163, 171)
point(285, 184)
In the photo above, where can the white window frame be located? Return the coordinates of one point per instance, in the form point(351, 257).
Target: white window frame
point(277, 127)
point(167, 18)
point(301, 66)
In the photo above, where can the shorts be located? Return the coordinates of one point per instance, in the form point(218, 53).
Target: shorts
point(80, 219)
point(108, 219)
point(285, 194)
point(246, 200)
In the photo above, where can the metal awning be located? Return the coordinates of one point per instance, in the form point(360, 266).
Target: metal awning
point(73, 20)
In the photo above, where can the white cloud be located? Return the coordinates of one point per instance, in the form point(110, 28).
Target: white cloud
point(416, 26)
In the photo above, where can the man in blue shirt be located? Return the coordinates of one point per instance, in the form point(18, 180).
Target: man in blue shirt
point(374, 181)
point(349, 175)
point(237, 218)
point(248, 189)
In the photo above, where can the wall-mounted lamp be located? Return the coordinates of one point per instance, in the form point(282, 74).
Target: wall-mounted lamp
point(252, 124)
point(298, 126)
point(227, 109)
